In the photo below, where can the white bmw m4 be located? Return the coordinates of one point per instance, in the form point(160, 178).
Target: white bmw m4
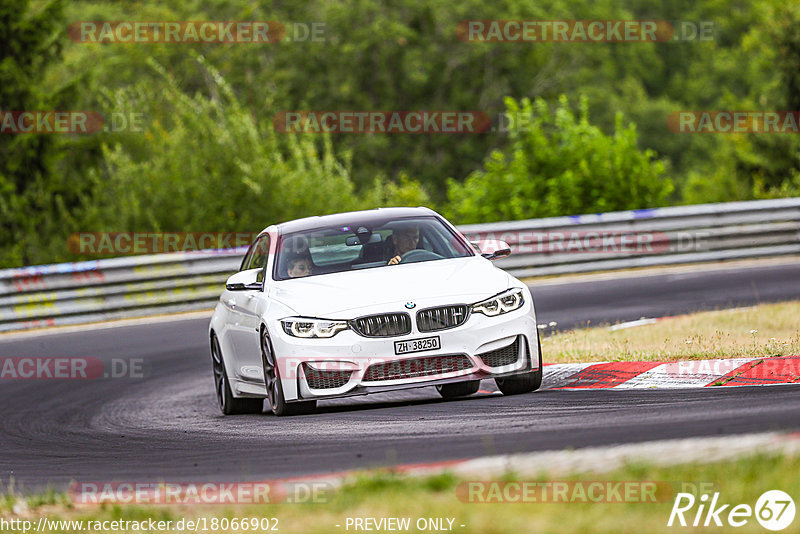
point(370, 301)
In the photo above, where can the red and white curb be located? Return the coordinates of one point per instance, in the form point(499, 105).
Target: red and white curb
point(679, 374)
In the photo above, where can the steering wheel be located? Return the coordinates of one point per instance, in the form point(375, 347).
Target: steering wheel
point(419, 254)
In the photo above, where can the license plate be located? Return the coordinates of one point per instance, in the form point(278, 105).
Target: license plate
point(417, 345)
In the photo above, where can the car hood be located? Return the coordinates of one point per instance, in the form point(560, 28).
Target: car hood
point(352, 293)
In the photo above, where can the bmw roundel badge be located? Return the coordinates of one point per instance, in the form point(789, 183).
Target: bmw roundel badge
point(410, 305)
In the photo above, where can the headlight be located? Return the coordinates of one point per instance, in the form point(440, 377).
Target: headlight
point(505, 302)
point(306, 327)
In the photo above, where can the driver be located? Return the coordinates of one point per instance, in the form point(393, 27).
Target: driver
point(405, 240)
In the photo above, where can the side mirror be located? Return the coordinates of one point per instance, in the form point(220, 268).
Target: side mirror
point(244, 281)
point(493, 249)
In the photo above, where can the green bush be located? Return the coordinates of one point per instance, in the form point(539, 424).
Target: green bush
point(207, 164)
point(558, 163)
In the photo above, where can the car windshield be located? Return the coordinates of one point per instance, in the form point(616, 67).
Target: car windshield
point(366, 245)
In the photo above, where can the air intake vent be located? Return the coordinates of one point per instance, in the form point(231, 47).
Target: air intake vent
point(325, 379)
point(441, 318)
point(416, 367)
point(500, 357)
point(386, 325)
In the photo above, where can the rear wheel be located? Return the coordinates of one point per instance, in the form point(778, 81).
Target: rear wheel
point(272, 382)
point(228, 404)
point(525, 382)
point(459, 389)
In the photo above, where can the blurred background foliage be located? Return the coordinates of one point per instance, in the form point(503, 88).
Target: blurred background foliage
point(207, 157)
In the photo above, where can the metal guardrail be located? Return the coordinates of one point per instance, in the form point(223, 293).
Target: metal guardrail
point(71, 293)
point(675, 235)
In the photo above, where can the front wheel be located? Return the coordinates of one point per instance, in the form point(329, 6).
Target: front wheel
point(525, 382)
point(228, 404)
point(272, 382)
point(459, 389)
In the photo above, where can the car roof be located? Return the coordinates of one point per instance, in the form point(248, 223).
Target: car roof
point(340, 219)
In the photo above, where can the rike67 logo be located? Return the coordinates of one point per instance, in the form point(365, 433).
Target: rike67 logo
point(774, 510)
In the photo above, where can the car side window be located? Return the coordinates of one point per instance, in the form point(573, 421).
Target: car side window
point(247, 256)
point(258, 255)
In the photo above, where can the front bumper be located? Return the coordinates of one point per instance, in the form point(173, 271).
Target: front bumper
point(349, 364)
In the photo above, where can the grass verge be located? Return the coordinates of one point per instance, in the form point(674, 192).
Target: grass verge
point(442, 496)
point(761, 331)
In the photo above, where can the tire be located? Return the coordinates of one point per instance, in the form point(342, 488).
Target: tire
point(458, 389)
point(272, 383)
point(228, 404)
point(525, 382)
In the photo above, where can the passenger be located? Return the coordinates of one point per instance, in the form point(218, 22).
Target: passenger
point(299, 267)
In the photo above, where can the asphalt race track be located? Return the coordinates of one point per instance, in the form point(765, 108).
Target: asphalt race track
point(166, 426)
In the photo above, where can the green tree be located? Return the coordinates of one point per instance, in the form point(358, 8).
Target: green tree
point(32, 194)
point(381, 55)
point(559, 164)
point(207, 164)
